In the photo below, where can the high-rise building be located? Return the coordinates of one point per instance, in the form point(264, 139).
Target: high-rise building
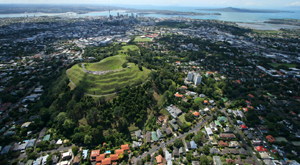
point(190, 76)
point(118, 15)
point(197, 79)
point(194, 77)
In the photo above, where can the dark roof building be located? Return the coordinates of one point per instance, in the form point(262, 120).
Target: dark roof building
point(227, 135)
point(243, 151)
point(188, 145)
point(213, 150)
point(15, 147)
point(225, 151)
point(148, 137)
point(5, 149)
point(234, 151)
point(176, 152)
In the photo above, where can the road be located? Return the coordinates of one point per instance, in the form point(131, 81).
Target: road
point(195, 129)
point(162, 145)
point(243, 140)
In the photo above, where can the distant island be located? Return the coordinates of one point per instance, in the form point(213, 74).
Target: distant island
point(49, 8)
point(295, 22)
point(167, 12)
point(232, 9)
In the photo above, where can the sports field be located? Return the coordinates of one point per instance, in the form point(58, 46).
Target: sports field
point(139, 39)
point(131, 47)
point(281, 139)
point(296, 143)
point(109, 82)
point(288, 65)
point(109, 63)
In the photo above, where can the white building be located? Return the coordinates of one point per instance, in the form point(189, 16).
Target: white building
point(190, 76)
point(197, 79)
point(194, 77)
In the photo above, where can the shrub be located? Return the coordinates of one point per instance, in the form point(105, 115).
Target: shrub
point(75, 150)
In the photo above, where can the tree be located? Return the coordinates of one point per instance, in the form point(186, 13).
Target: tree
point(75, 150)
point(71, 104)
point(172, 88)
point(160, 151)
point(88, 139)
point(206, 149)
point(121, 156)
point(61, 117)
point(204, 160)
point(189, 117)
point(178, 143)
point(199, 138)
point(118, 112)
point(198, 100)
point(220, 103)
point(92, 116)
point(69, 125)
point(124, 65)
point(141, 68)
point(148, 157)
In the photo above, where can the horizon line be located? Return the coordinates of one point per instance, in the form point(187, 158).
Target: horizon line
point(148, 5)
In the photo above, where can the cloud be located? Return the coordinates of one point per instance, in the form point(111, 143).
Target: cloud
point(252, 4)
point(294, 4)
point(218, 3)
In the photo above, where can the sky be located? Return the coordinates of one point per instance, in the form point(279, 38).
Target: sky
point(190, 3)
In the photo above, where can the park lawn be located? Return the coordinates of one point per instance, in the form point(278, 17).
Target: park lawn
point(280, 139)
point(132, 128)
point(182, 119)
point(139, 39)
point(110, 82)
point(109, 63)
point(131, 47)
point(288, 65)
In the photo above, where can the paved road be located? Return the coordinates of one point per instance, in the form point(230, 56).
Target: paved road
point(162, 145)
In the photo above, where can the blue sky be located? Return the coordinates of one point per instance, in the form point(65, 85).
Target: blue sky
point(193, 3)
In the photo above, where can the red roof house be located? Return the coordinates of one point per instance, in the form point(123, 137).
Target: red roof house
point(100, 157)
point(270, 138)
point(106, 161)
point(125, 147)
point(94, 154)
point(243, 126)
point(197, 114)
point(114, 157)
point(260, 149)
point(118, 152)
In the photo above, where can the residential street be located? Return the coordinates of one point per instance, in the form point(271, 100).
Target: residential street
point(18, 103)
point(243, 140)
point(162, 145)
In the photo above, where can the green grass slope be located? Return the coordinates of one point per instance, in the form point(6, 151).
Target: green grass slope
point(109, 63)
point(107, 83)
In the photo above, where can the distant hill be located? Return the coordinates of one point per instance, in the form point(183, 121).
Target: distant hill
point(232, 9)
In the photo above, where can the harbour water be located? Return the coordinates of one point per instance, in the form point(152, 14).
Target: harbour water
point(252, 20)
